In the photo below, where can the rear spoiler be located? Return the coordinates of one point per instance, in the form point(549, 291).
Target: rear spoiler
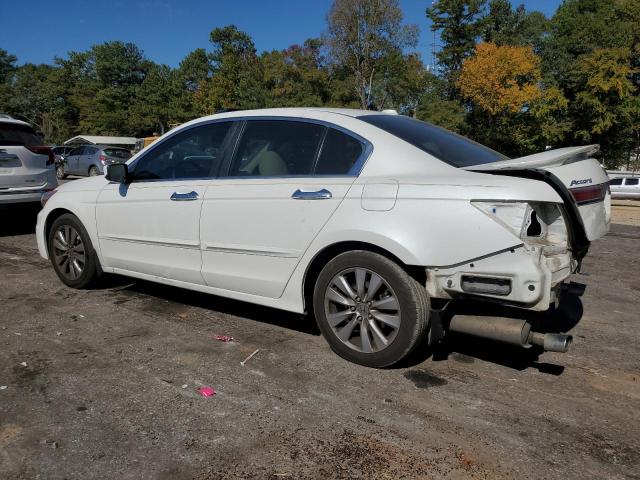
point(557, 157)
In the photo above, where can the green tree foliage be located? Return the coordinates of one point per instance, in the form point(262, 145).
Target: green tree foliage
point(459, 24)
point(296, 76)
point(504, 25)
point(366, 39)
point(237, 80)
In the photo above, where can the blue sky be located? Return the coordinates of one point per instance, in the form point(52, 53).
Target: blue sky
point(38, 30)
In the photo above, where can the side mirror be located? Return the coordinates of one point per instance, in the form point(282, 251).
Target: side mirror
point(118, 172)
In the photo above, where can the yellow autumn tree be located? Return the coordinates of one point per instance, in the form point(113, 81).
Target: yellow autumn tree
point(501, 79)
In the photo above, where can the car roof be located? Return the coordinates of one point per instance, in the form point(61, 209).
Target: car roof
point(295, 111)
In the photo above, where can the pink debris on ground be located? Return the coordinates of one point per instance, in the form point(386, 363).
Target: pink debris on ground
point(206, 391)
point(223, 338)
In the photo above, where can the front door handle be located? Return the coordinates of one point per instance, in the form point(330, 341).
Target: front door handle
point(184, 197)
point(323, 194)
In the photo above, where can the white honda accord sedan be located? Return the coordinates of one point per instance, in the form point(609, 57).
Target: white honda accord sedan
point(358, 217)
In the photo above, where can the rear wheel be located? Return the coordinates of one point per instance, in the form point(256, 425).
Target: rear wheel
point(60, 172)
point(370, 310)
point(71, 253)
point(93, 171)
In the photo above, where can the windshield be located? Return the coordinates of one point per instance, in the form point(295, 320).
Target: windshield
point(447, 146)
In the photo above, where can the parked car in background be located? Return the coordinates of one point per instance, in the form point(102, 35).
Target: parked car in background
point(362, 217)
point(90, 160)
point(26, 165)
point(625, 187)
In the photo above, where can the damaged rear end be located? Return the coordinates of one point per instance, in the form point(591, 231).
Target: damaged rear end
point(555, 238)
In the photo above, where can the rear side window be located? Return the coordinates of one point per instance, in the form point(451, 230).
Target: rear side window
point(616, 181)
point(631, 181)
point(447, 146)
point(339, 153)
point(117, 153)
point(276, 148)
point(16, 134)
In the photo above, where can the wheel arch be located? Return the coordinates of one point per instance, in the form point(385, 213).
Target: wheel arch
point(331, 251)
point(52, 217)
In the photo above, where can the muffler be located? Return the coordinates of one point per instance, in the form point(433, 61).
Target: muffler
point(509, 330)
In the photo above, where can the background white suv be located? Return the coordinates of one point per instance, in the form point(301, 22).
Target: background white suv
point(27, 167)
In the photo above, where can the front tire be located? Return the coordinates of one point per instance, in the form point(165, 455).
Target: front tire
point(71, 252)
point(60, 174)
point(369, 309)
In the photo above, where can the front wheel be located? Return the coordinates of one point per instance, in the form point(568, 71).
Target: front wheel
point(369, 309)
point(60, 172)
point(71, 252)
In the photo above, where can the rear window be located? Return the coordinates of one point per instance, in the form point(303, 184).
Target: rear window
point(447, 146)
point(117, 153)
point(16, 134)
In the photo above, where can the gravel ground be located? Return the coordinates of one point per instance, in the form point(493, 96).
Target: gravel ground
point(103, 384)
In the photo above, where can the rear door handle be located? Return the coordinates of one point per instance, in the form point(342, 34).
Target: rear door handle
point(323, 194)
point(184, 197)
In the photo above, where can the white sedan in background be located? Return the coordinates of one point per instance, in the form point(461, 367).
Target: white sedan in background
point(360, 217)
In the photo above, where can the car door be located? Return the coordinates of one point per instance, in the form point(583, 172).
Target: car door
point(631, 187)
point(72, 160)
point(285, 179)
point(86, 160)
point(151, 225)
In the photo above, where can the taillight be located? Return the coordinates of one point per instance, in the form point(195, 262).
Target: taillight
point(590, 194)
point(43, 150)
point(102, 158)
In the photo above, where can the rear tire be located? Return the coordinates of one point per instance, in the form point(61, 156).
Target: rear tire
point(93, 171)
point(71, 252)
point(369, 309)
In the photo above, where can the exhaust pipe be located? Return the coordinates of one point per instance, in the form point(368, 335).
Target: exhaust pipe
point(510, 330)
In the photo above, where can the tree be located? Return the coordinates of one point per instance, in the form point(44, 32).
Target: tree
point(237, 73)
point(152, 109)
point(7, 68)
point(503, 25)
point(296, 76)
point(509, 108)
point(434, 106)
point(7, 65)
point(458, 22)
point(592, 55)
point(500, 78)
point(361, 35)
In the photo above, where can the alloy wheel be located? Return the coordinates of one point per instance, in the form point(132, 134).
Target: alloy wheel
point(362, 309)
point(69, 252)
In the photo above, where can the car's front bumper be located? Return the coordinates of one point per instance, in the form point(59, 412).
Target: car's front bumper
point(533, 276)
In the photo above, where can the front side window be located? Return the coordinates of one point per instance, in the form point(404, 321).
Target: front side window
point(76, 151)
point(444, 145)
point(276, 148)
point(616, 181)
point(631, 181)
point(339, 153)
point(193, 153)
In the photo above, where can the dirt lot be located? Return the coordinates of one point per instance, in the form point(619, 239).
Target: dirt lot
point(626, 212)
point(102, 384)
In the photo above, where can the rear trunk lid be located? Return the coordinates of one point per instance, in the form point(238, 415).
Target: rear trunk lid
point(22, 163)
point(576, 176)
